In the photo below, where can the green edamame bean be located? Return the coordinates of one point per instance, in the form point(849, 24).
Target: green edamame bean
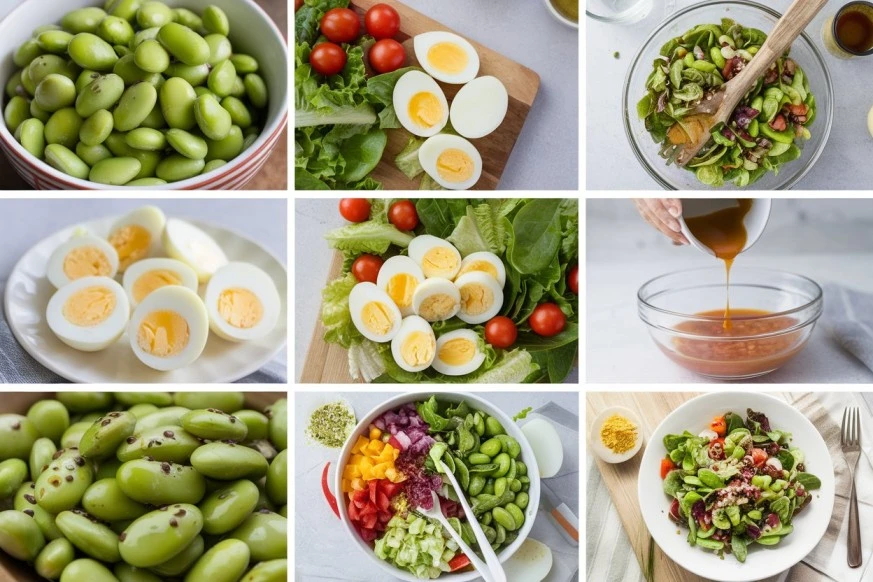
point(165, 443)
point(46, 65)
point(20, 537)
point(148, 160)
point(60, 487)
point(221, 78)
point(92, 154)
point(151, 14)
point(216, 21)
point(196, 75)
point(187, 18)
point(89, 51)
point(500, 486)
point(13, 472)
point(25, 501)
point(255, 422)
point(145, 182)
point(249, 141)
point(96, 128)
point(160, 535)
point(516, 513)
point(509, 445)
point(242, 117)
point(160, 482)
point(39, 113)
point(200, 91)
point(144, 138)
point(522, 499)
point(134, 398)
point(13, 85)
point(226, 561)
point(125, 9)
point(73, 434)
point(220, 48)
point(50, 418)
point(82, 20)
point(521, 467)
point(40, 456)
point(84, 402)
point(27, 83)
point(135, 105)
point(502, 461)
point(211, 423)
point(256, 89)
point(479, 459)
point(493, 427)
point(106, 469)
point(212, 119)
point(183, 561)
point(278, 415)
point(102, 439)
point(277, 479)
point(131, 74)
point(55, 92)
point(54, 41)
point(244, 63)
point(491, 448)
point(212, 165)
point(485, 519)
point(145, 34)
point(54, 557)
point(227, 461)
point(184, 44)
point(228, 402)
point(151, 57)
point(265, 533)
point(504, 518)
point(17, 112)
point(127, 573)
point(115, 30)
point(26, 52)
point(228, 148)
point(477, 484)
point(226, 508)
point(239, 88)
point(89, 536)
point(163, 417)
point(32, 136)
point(17, 435)
point(88, 570)
point(177, 98)
point(189, 145)
point(106, 501)
point(269, 571)
point(515, 485)
point(63, 128)
point(85, 78)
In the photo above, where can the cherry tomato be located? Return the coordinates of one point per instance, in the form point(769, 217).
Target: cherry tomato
point(340, 25)
point(759, 457)
point(387, 55)
point(382, 21)
point(402, 214)
point(297, 5)
point(366, 268)
point(666, 466)
point(355, 209)
point(573, 279)
point(547, 320)
point(500, 332)
point(327, 58)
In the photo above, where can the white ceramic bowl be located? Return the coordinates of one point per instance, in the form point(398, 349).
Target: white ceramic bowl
point(512, 429)
point(252, 32)
point(755, 221)
point(558, 16)
point(809, 526)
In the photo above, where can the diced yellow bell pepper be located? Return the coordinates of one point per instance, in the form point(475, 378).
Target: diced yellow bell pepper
point(375, 434)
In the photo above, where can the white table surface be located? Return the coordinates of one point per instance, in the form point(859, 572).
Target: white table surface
point(324, 550)
point(610, 160)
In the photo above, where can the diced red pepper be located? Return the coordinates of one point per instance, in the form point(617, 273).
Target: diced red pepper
point(666, 466)
point(325, 488)
point(395, 443)
point(370, 509)
point(458, 562)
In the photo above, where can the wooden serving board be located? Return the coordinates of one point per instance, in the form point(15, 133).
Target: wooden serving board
point(521, 83)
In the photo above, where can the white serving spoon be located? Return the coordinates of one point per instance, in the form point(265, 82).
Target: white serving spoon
point(436, 513)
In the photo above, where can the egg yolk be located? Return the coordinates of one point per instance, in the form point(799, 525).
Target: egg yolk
point(425, 109)
point(457, 352)
point(437, 307)
point(163, 333)
point(476, 298)
point(400, 289)
point(439, 262)
point(240, 308)
point(418, 349)
point(455, 165)
point(132, 243)
point(479, 266)
point(377, 318)
point(86, 262)
point(448, 57)
point(89, 306)
point(152, 280)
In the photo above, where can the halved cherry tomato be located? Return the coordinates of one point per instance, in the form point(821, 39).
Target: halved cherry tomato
point(387, 55)
point(403, 215)
point(718, 426)
point(382, 21)
point(297, 5)
point(327, 58)
point(355, 209)
point(501, 332)
point(666, 466)
point(325, 488)
point(573, 279)
point(366, 268)
point(547, 320)
point(340, 25)
point(759, 457)
point(458, 562)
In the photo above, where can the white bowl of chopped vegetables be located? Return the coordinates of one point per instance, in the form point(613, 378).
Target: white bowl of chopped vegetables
point(791, 541)
point(478, 404)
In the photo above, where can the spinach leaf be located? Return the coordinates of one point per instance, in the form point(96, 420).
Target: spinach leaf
point(362, 153)
point(537, 229)
point(733, 422)
point(560, 361)
point(809, 481)
point(307, 19)
point(533, 342)
point(303, 180)
point(439, 216)
point(428, 412)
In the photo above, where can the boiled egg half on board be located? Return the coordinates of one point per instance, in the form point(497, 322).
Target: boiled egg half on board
point(83, 255)
point(187, 243)
point(414, 346)
point(169, 328)
point(145, 276)
point(481, 297)
point(458, 353)
point(242, 302)
point(373, 312)
point(446, 57)
point(479, 107)
point(435, 256)
point(484, 262)
point(399, 277)
point(436, 299)
point(137, 235)
point(452, 161)
point(420, 104)
point(88, 314)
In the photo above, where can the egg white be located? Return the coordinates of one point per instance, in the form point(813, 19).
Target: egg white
point(243, 276)
point(187, 243)
point(91, 338)
point(487, 257)
point(479, 107)
point(429, 153)
point(436, 286)
point(185, 273)
point(410, 325)
point(410, 84)
point(190, 307)
point(458, 370)
point(55, 266)
point(422, 43)
point(361, 295)
point(490, 283)
point(150, 218)
point(399, 265)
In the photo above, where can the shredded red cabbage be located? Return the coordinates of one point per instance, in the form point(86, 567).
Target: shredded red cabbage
point(418, 483)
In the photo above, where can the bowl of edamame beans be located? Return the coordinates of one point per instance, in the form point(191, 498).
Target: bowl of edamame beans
point(757, 164)
point(172, 94)
point(387, 470)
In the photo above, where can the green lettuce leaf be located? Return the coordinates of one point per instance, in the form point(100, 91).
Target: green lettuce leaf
point(338, 99)
point(335, 314)
point(367, 237)
point(512, 368)
point(407, 160)
point(307, 19)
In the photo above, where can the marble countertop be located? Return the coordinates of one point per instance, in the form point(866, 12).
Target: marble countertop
point(610, 161)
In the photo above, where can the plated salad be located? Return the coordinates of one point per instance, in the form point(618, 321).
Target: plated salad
point(392, 471)
point(457, 290)
point(736, 484)
point(766, 127)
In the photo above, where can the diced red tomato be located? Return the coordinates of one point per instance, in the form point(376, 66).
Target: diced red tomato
point(779, 123)
point(759, 457)
point(798, 109)
point(458, 562)
point(666, 466)
point(325, 488)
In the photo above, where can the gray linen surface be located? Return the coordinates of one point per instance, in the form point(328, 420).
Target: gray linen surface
point(848, 317)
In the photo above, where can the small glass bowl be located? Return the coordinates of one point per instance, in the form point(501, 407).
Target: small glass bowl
point(749, 14)
point(670, 305)
point(618, 11)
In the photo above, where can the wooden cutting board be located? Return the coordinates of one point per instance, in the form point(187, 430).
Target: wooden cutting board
point(521, 83)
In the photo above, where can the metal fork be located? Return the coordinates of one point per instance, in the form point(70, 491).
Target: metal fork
point(850, 441)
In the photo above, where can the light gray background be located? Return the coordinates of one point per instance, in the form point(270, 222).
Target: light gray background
point(324, 550)
point(845, 163)
point(830, 241)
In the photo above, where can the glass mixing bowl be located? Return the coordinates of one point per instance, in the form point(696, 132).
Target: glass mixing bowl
point(618, 11)
point(749, 14)
point(670, 306)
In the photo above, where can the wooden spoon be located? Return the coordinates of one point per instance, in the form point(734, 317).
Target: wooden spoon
point(718, 107)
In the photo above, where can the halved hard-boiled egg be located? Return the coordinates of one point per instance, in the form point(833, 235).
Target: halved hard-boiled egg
point(187, 243)
point(169, 328)
point(485, 262)
point(458, 353)
point(414, 346)
point(88, 314)
point(451, 160)
point(242, 302)
point(81, 256)
point(374, 313)
point(435, 256)
point(436, 300)
point(481, 297)
point(446, 57)
point(399, 277)
point(479, 107)
point(137, 235)
point(145, 276)
point(420, 104)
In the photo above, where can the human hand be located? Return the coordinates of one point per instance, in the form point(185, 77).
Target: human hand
point(663, 214)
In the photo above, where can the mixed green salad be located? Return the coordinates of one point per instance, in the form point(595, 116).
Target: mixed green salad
point(761, 134)
point(736, 484)
point(456, 290)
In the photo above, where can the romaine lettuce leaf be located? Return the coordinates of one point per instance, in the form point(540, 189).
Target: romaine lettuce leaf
point(367, 237)
point(407, 160)
point(335, 314)
point(307, 19)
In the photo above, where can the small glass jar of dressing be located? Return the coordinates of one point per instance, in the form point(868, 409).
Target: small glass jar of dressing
point(849, 33)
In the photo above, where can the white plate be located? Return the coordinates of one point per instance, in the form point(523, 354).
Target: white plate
point(28, 292)
point(809, 526)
